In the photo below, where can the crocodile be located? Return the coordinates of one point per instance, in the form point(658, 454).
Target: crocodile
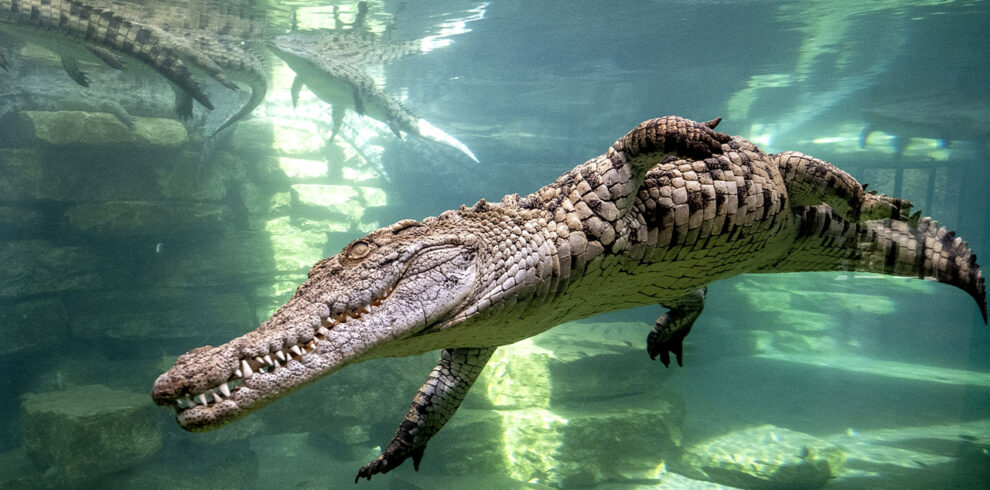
point(78, 30)
point(239, 61)
point(340, 81)
point(670, 207)
point(219, 35)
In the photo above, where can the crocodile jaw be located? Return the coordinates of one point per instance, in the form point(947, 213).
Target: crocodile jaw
point(344, 313)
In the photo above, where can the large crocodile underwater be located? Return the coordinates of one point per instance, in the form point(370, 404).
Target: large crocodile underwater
point(670, 207)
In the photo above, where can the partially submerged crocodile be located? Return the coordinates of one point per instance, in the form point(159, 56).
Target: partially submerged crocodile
point(77, 30)
point(670, 207)
point(335, 76)
point(217, 35)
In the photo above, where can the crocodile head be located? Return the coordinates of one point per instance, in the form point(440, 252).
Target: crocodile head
point(387, 294)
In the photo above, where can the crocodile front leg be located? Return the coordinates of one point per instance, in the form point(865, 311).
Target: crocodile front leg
point(434, 404)
point(667, 336)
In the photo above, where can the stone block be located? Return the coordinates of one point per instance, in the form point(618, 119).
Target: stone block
point(20, 221)
point(278, 136)
point(590, 443)
point(564, 415)
point(343, 203)
point(469, 445)
point(19, 472)
point(32, 324)
point(219, 259)
point(148, 218)
point(41, 267)
point(61, 176)
point(763, 457)
point(85, 433)
point(295, 246)
point(77, 128)
point(186, 176)
point(160, 313)
point(83, 367)
point(185, 463)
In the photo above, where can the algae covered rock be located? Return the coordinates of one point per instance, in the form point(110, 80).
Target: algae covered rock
point(83, 433)
point(467, 445)
point(77, 128)
point(32, 324)
point(33, 267)
point(591, 443)
point(159, 313)
point(764, 457)
point(53, 175)
point(567, 421)
point(148, 217)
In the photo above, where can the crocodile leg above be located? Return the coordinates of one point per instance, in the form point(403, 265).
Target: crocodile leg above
point(71, 67)
point(811, 181)
point(667, 336)
point(434, 404)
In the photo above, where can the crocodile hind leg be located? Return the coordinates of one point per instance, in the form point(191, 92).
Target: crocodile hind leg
point(811, 181)
point(432, 407)
point(668, 334)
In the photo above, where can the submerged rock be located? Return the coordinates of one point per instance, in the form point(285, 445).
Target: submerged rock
point(159, 313)
point(591, 444)
point(81, 434)
point(53, 175)
point(764, 457)
point(77, 128)
point(20, 220)
point(569, 434)
point(32, 324)
point(33, 267)
point(148, 218)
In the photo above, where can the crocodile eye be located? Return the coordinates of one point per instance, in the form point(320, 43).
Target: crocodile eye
point(358, 250)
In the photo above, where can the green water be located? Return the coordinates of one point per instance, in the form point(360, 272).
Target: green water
point(122, 248)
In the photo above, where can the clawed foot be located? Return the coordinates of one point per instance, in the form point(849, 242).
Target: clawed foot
point(667, 336)
point(663, 341)
point(389, 459)
point(879, 206)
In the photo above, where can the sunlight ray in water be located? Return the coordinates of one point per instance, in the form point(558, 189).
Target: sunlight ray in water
point(889, 369)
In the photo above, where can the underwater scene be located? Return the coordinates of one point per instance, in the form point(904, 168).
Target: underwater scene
point(170, 172)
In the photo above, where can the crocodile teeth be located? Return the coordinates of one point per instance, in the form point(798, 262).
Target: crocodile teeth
point(238, 373)
point(323, 331)
point(246, 369)
point(201, 398)
point(260, 360)
point(217, 398)
point(280, 355)
point(225, 389)
point(268, 359)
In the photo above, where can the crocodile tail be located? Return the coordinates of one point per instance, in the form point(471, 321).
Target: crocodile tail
point(892, 247)
point(930, 251)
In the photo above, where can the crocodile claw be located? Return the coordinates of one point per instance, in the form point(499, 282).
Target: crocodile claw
point(667, 335)
point(390, 459)
point(664, 342)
